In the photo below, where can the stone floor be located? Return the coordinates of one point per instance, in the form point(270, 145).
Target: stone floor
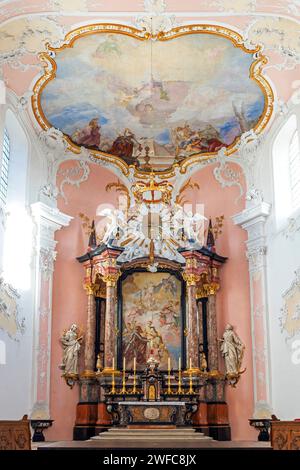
point(154, 444)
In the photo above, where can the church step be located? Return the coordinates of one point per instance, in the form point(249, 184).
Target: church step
point(106, 437)
point(150, 430)
point(151, 434)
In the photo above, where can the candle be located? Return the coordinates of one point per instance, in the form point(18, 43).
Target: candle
point(190, 362)
point(134, 374)
point(124, 363)
point(113, 389)
point(169, 375)
point(179, 376)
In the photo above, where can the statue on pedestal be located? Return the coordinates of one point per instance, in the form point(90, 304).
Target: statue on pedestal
point(71, 343)
point(232, 350)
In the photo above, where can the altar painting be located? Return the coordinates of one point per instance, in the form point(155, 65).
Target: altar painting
point(151, 314)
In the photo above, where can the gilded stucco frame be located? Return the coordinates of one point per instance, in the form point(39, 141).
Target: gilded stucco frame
point(255, 73)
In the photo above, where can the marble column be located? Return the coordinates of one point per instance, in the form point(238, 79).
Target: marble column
point(47, 221)
point(89, 349)
point(212, 334)
point(110, 320)
point(192, 320)
point(253, 220)
point(200, 321)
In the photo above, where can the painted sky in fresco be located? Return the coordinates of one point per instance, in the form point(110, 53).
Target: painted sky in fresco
point(187, 95)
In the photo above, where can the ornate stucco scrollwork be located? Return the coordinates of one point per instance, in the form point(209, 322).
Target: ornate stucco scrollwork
point(225, 174)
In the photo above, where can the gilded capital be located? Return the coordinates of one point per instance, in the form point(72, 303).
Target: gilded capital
point(89, 288)
point(111, 279)
point(206, 289)
point(191, 279)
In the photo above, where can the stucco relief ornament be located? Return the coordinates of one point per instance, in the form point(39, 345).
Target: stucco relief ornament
point(232, 349)
point(155, 20)
point(290, 312)
point(277, 34)
point(71, 343)
point(74, 176)
point(292, 228)
point(47, 258)
point(225, 175)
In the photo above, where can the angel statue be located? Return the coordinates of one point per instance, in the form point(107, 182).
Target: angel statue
point(71, 342)
point(232, 350)
point(116, 221)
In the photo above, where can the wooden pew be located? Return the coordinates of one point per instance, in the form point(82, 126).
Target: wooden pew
point(15, 435)
point(285, 435)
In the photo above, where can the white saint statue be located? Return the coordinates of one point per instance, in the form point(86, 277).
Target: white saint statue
point(232, 350)
point(71, 344)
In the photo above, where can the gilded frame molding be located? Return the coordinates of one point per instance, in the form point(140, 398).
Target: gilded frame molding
point(255, 72)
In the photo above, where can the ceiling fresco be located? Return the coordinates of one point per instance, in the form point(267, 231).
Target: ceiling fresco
point(153, 103)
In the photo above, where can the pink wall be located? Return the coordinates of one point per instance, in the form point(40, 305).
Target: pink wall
point(233, 299)
point(69, 297)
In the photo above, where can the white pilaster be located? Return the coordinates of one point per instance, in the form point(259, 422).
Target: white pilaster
point(47, 220)
point(253, 220)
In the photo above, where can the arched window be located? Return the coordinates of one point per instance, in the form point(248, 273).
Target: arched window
point(294, 168)
point(286, 164)
point(4, 168)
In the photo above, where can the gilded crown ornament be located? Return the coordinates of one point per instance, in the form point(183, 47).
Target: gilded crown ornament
point(152, 192)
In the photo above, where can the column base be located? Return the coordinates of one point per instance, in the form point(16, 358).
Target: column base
point(104, 418)
point(83, 433)
point(199, 418)
point(220, 433)
point(218, 422)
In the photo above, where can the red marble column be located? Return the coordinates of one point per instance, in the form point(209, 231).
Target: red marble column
point(110, 321)
point(192, 322)
point(212, 334)
point(89, 349)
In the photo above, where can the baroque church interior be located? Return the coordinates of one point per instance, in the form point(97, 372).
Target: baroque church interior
point(150, 223)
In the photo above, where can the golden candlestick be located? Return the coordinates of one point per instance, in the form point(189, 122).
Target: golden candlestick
point(113, 387)
point(191, 391)
point(169, 376)
point(134, 375)
point(179, 391)
point(98, 364)
point(123, 391)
